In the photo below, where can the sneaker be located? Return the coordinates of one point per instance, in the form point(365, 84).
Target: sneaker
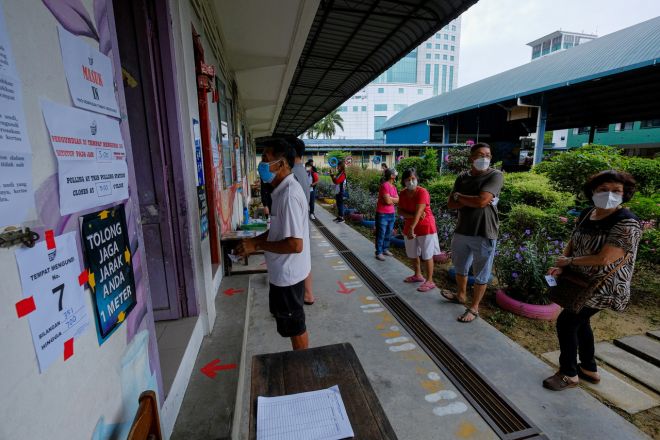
point(312, 216)
point(341, 220)
point(380, 257)
point(388, 253)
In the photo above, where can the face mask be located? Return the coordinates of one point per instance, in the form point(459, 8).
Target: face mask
point(308, 169)
point(607, 200)
point(264, 171)
point(411, 185)
point(482, 163)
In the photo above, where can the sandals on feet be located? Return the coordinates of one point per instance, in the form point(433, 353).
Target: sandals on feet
point(450, 296)
point(414, 279)
point(426, 286)
point(464, 317)
point(559, 382)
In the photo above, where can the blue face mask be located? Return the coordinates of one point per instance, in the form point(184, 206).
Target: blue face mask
point(264, 171)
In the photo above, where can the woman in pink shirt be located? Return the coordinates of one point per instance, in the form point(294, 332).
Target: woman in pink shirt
point(387, 198)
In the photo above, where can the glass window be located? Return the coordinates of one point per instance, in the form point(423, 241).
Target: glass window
point(583, 130)
point(363, 108)
point(428, 56)
point(404, 71)
point(400, 89)
point(437, 56)
point(445, 46)
point(453, 38)
point(378, 122)
point(446, 36)
point(602, 128)
point(399, 107)
point(381, 90)
point(444, 57)
point(536, 51)
point(453, 48)
point(627, 126)
point(427, 74)
point(343, 108)
point(429, 45)
point(436, 78)
point(438, 46)
point(451, 78)
point(453, 27)
point(650, 123)
point(420, 91)
point(444, 78)
point(438, 36)
point(545, 49)
point(451, 58)
point(556, 43)
point(380, 107)
point(355, 108)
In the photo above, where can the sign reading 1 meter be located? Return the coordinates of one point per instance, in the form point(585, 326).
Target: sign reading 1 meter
point(108, 259)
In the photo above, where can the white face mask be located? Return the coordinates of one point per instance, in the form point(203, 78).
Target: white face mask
point(482, 163)
point(411, 184)
point(607, 200)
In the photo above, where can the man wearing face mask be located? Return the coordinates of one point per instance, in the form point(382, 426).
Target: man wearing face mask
point(285, 244)
point(475, 195)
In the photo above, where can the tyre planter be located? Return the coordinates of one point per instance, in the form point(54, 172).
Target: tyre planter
point(329, 201)
point(397, 242)
point(355, 217)
point(349, 211)
point(368, 223)
point(452, 276)
point(546, 312)
point(443, 258)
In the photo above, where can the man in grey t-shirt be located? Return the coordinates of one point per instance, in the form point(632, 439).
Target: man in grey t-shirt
point(475, 195)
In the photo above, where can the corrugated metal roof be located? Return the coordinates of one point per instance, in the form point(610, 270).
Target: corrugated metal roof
point(624, 50)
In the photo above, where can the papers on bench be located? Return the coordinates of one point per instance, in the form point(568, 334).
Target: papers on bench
point(315, 415)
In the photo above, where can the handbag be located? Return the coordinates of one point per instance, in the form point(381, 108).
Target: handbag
point(574, 289)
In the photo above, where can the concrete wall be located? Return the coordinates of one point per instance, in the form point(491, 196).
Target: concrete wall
point(94, 393)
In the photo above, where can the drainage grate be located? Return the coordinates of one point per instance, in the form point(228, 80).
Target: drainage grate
point(500, 414)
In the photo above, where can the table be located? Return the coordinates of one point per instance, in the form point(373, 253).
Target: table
point(317, 368)
point(229, 241)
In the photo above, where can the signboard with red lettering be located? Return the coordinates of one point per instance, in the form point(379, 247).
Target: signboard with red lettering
point(89, 74)
point(91, 156)
point(110, 273)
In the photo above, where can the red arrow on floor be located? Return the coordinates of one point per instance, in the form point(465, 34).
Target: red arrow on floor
point(231, 291)
point(343, 289)
point(211, 369)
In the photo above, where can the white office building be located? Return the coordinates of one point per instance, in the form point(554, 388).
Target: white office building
point(427, 71)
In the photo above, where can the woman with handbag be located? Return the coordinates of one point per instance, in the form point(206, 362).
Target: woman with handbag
point(594, 274)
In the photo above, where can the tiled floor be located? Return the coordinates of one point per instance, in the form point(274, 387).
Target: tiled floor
point(173, 337)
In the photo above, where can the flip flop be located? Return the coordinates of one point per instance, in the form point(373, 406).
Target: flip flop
point(414, 279)
point(426, 286)
point(463, 317)
point(450, 296)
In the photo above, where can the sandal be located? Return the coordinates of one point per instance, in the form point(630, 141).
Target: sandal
point(414, 279)
point(451, 297)
point(582, 374)
point(463, 317)
point(426, 286)
point(559, 382)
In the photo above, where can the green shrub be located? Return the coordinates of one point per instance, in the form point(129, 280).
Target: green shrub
point(439, 189)
point(426, 166)
point(339, 154)
point(362, 201)
point(369, 180)
point(533, 190)
point(325, 188)
point(457, 159)
point(649, 246)
point(522, 218)
point(646, 173)
point(645, 207)
point(568, 171)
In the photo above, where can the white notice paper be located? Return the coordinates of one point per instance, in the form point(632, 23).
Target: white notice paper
point(315, 415)
point(7, 64)
point(50, 277)
point(91, 157)
point(16, 194)
point(89, 74)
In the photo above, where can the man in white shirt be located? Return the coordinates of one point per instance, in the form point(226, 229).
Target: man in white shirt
point(286, 243)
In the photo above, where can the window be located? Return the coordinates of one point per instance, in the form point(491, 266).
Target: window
point(428, 56)
point(355, 108)
point(536, 51)
point(556, 43)
point(453, 27)
point(602, 129)
point(445, 46)
point(444, 78)
point(568, 41)
point(343, 108)
point(378, 122)
point(650, 123)
point(446, 37)
point(545, 49)
point(583, 130)
point(400, 90)
point(380, 107)
point(399, 107)
point(444, 57)
point(438, 36)
point(438, 46)
point(451, 78)
point(420, 91)
point(436, 78)
point(363, 108)
point(453, 38)
point(623, 126)
point(437, 56)
point(451, 58)
point(429, 45)
point(381, 90)
point(404, 71)
point(427, 74)
point(453, 48)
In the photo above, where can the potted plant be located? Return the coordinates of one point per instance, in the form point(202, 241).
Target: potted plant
point(521, 263)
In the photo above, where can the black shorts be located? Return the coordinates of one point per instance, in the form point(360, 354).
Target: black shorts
point(286, 303)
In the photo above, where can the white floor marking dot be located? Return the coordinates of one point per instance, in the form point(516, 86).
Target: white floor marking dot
point(403, 347)
point(433, 376)
point(394, 328)
point(370, 298)
point(396, 340)
point(440, 395)
point(370, 306)
point(452, 408)
point(374, 310)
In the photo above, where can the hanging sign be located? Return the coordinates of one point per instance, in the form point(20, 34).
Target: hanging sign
point(333, 161)
point(91, 157)
point(89, 74)
point(376, 160)
point(349, 160)
point(108, 259)
point(53, 296)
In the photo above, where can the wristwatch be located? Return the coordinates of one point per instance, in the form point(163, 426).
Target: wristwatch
point(456, 197)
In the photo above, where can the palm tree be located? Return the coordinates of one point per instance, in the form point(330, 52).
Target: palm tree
point(328, 125)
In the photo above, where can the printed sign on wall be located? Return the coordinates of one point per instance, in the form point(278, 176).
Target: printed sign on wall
point(108, 259)
point(89, 74)
point(91, 157)
point(53, 290)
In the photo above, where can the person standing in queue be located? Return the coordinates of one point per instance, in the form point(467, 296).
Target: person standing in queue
point(339, 180)
point(385, 213)
point(285, 244)
point(313, 180)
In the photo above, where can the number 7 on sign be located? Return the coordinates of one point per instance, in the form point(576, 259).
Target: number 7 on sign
point(59, 288)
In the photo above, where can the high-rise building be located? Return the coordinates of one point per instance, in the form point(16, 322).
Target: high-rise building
point(556, 41)
point(429, 70)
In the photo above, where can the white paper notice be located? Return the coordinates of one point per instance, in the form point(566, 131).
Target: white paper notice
point(316, 415)
point(16, 194)
point(215, 145)
point(89, 74)
point(7, 64)
point(50, 277)
point(91, 156)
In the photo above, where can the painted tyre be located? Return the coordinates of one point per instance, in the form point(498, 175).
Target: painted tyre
point(397, 242)
point(547, 312)
point(355, 217)
point(368, 223)
point(349, 211)
point(452, 276)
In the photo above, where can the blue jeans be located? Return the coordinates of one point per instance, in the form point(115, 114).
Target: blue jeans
point(384, 226)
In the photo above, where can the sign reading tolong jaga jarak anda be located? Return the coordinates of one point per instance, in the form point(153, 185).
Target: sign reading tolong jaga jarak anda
point(108, 260)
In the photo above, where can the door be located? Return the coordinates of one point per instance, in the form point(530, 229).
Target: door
point(139, 47)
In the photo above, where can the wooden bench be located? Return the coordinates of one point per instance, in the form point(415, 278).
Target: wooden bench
point(293, 372)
